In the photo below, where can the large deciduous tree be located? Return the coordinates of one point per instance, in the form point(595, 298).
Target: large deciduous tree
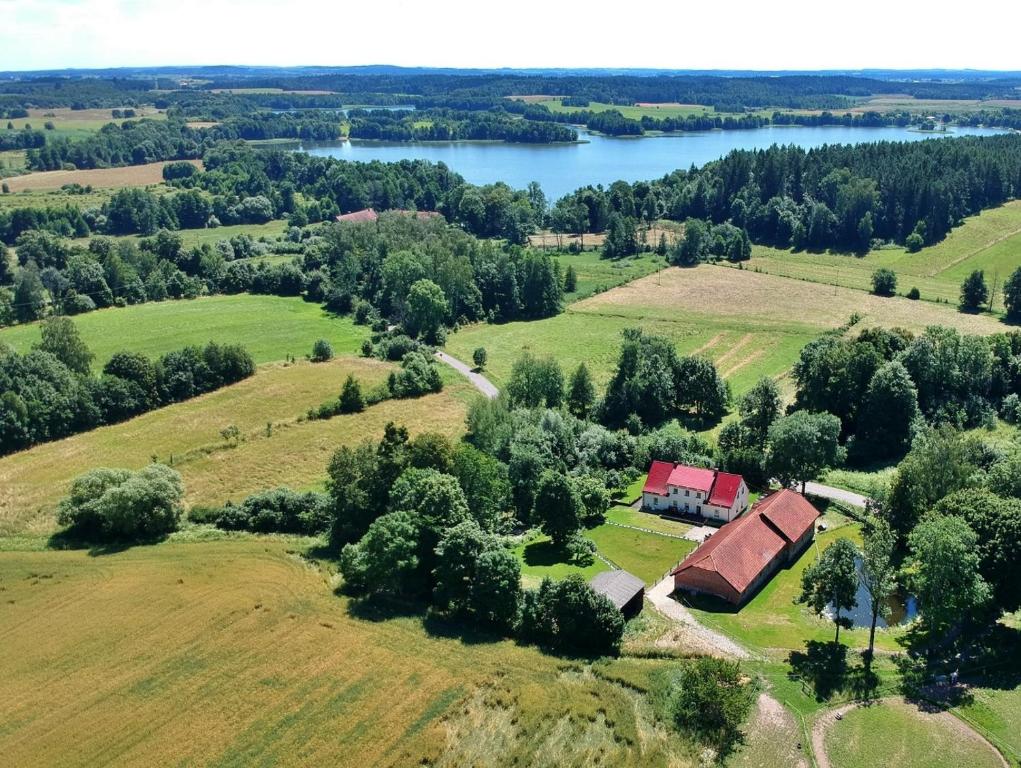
point(832, 581)
point(802, 445)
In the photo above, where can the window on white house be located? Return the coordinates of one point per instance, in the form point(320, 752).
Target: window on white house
point(687, 492)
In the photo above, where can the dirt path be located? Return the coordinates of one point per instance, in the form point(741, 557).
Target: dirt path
point(480, 382)
point(836, 494)
point(695, 632)
point(826, 720)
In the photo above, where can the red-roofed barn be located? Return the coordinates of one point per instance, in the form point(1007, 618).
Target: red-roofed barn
point(739, 558)
point(688, 490)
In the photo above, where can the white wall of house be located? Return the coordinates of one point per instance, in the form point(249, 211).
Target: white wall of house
point(693, 502)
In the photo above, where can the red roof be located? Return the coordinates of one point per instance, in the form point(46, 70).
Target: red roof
point(692, 477)
point(659, 473)
point(725, 489)
point(789, 512)
point(366, 214)
point(744, 548)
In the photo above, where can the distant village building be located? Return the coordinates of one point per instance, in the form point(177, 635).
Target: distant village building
point(706, 493)
point(369, 214)
point(625, 590)
point(739, 558)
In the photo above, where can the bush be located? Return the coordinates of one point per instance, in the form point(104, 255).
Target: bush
point(914, 242)
point(322, 351)
point(118, 504)
point(884, 282)
point(280, 510)
point(914, 295)
point(569, 617)
point(351, 400)
point(479, 357)
point(418, 376)
point(710, 700)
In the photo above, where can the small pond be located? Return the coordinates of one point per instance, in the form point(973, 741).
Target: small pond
point(902, 609)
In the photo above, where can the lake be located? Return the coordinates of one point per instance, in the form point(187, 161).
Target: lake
point(562, 168)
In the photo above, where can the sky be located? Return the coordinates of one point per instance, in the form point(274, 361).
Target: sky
point(721, 34)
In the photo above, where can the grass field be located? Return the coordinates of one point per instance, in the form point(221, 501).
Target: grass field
point(997, 713)
point(270, 327)
point(740, 319)
point(76, 123)
point(898, 733)
point(990, 241)
point(187, 435)
point(634, 518)
point(12, 162)
point(596, 274)
point(99, 178)
point(902, 102)
point(236, 653)
point(635, 112)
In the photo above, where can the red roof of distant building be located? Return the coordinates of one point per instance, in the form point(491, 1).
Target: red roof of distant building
point(696, 478)
point(725, 489)
point(659, 473)
point(366, 214)
point(743, 548)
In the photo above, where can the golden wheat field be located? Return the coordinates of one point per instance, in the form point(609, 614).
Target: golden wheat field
point(99, 178)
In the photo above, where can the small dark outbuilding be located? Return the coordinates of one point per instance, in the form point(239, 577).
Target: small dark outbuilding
point(624, 590)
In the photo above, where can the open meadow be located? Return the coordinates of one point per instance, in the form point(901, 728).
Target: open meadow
point(745, 321)
point(76, 123)
point(98, 178)
point(269, 327)
point(235, 652)
point(990, 241)
point(186, 435)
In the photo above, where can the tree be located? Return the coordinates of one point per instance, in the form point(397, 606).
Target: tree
point(386, 558)
point(759, 408)
point(118, 504)
point(884, 282)
point(29, 295)
point(594, 498)
point(800, 446)
point(570, 279)
point(701, 387)
point(479, 357)
point(878, 573)
point(887, 413)
point(485, 484)
point(711, 698)
point(581, 392)
point(535, 382)
point(322, 351)
point(1012, 296)
point(61, 339)
point(693, 247)
point(568, 616)
point(944, 572)
point(556, 508)
point(832, 580)
point(351, 400)
point(997, 523)
point(427, 310)
point(974, 292)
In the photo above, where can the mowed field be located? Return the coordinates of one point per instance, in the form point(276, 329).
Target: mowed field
point(99, 178)
point(237, 653)
point(990, 241)
point(187, 436)
point(750, 324)
point(635, 111)
point(76, 123)
point(269, 327)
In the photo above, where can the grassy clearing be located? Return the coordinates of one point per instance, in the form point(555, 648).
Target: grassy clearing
point(902, 102)
point(740, 319)
point(996, 713)
point(187, 435)
point(76, 124)
point(898, 733)
point(636, 111)
point(990, 241)
point(648, 556)
point(596, 274)
point(235, 653)
point(12, 162)
point(270, 327)
point(772, 620)
point(100, 178)
point(540, 560)
point(634, 518)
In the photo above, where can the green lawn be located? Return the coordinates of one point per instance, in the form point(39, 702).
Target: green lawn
point(633, 517)
point(271, 327)
point(895, 733)
point(997, 713)
point(648, 556)
point(597, 274)
point(990, 241)
point(540, 559)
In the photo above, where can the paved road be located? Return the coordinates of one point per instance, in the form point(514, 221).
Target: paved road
point(837, 494)
point(659, 595)
point(481, 383)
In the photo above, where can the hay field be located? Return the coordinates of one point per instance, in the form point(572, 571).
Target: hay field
point(635, 112)
point(902, 102)
point(77, 123)
point(750, 324)
point(99, 178)
point(187, 435)
point(236, 653)
point(990, 241)
point(270, 327)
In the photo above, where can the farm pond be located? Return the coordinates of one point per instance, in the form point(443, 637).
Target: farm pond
point(596, 159)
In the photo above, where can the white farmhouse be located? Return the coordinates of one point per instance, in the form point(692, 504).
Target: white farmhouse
point(686, 490)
